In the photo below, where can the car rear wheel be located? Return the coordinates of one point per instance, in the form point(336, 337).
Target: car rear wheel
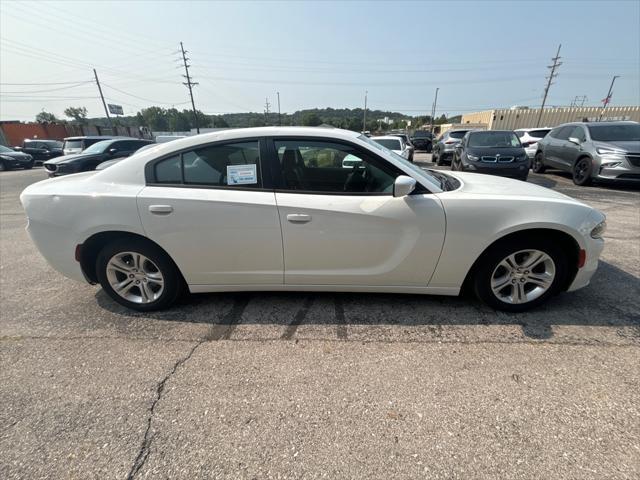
point(582, 172)
point(439, 162)
point(518, 275)
point(538, 163)
point(3, 167)
point(29, 165)
point(138, 275)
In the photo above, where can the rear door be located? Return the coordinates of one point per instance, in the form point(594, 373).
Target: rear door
point(341, 224)
point(213, 210)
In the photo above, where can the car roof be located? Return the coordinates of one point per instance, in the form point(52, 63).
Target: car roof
point(93, 137)
point(385, 137)
point(531, 129)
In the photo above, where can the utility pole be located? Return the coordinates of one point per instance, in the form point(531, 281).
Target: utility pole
point(608, 97)
point(433, 108)
point(189, 84)
point(104, 104)
point(551, 76)
point(578, 98)
point(267, 106)
point(279, 114)
point(364, 115)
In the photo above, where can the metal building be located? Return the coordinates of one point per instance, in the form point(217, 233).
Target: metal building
point(509, 119)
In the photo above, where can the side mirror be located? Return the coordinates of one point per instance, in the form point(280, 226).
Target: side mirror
point(112, 151)
point(574, 140)
point(403, 186)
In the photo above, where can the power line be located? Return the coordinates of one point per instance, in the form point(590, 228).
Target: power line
point(550, 78)
point(189, 84)
point(158, 102)
point(49, 89)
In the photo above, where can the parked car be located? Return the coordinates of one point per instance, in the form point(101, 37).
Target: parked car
point(113, 161)
point(40, 150)
point(407, 142)
point(602, 151)
point(275, 209)
point(94, 155)
point(73, 145)
point(496, 152)
point(395, 144)
point(529, 137)
point(11, 159)
point(445, 146)
point(422, 140)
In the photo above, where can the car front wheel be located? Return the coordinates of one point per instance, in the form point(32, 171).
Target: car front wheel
point(518, 275)
point(582, 172)
point(538, 163)
point(138, 275)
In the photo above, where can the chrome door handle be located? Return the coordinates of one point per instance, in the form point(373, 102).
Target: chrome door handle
point(298, 218)
point(160, 209)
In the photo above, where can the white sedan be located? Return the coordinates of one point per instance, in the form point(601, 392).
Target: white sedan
point(395, 144)
point(280, 209)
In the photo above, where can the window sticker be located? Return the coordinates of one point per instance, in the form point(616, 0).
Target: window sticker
point(242, 174)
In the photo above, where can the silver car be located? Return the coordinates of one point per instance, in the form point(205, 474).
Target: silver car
point(605, 151)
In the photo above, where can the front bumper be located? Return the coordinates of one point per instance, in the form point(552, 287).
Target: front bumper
point(12, 162)
point(511, 170)
point(617, 169)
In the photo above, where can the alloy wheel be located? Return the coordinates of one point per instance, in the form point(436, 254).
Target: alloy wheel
point(523, 276)
point(581, 171)
point(135, 277)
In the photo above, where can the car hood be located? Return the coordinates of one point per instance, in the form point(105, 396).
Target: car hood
point(493, 151)
point(72, 158)
point(15, 154)
point(628, 146)
point(493, 185)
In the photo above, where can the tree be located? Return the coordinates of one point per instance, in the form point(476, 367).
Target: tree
point(155, 118)
point(311, 119)
point(79, 114)
point(46, 117)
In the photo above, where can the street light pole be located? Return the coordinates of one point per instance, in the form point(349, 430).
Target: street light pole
point(433, 109)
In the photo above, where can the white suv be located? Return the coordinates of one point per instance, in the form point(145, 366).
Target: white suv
point(529, 137)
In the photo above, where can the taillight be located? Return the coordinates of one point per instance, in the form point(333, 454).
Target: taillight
point(582, 258)
point(449, 142)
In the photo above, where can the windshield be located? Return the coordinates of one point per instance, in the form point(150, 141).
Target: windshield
point(494, 139)
point(99, 147)
point(615, 133)
point(428, 178)
point(390, 143)
point(539, 133)
point(4, 149)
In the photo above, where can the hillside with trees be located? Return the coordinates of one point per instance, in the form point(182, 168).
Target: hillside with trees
point(162, 119)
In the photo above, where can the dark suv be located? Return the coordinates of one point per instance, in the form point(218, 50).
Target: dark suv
point(41, 150)
point(422, 140)
point(94, 155)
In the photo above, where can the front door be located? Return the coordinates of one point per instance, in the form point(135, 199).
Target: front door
point(209, 208)
point(341, 224)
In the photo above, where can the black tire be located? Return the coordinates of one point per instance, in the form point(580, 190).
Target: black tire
point(581, 171)
point(491, 258)
point(434, 157)
point(429, 148)
point(3, 166)
point(525, 177)
point(29, 165)
point(439, 162)
point(173, 283)
point(538, 163)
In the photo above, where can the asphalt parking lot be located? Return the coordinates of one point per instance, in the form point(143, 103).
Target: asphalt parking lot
point(274, 385)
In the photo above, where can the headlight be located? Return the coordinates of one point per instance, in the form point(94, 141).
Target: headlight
point(473, 158)
point(599, 230)
point(609, 151)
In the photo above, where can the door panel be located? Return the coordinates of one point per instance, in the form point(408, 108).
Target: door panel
point(216, 236)
point(360, 239)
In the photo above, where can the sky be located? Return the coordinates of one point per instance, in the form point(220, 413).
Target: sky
point(479, 54)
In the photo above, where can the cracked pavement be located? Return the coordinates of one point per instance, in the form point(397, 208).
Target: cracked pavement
point(293, 385)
